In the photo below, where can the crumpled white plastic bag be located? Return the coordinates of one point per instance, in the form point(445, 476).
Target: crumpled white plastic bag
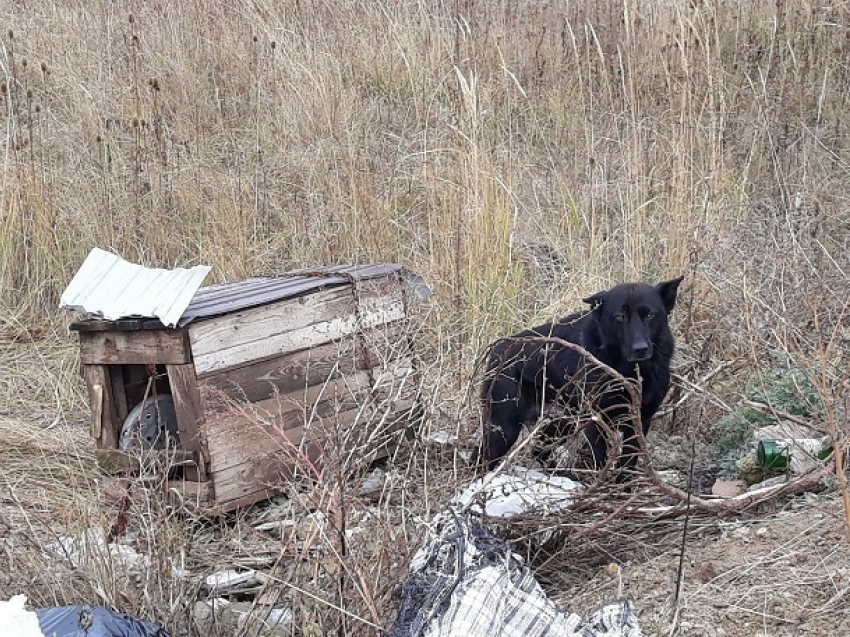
point(16, 620)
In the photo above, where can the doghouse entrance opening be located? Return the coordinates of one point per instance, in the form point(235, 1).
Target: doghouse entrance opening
point(151, 422)
point(145, 425)
point(138, 382)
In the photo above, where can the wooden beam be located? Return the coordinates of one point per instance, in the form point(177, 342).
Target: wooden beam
point(195, 496)
point(121, 325)
point(119, 394)
point(116, 461)
point(187, 405)
point(142, 347)
point(104, 423)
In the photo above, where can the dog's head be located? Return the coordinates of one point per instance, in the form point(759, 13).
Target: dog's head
point(634, 315)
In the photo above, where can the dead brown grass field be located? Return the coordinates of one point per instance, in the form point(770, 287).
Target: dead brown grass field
point(518, 155)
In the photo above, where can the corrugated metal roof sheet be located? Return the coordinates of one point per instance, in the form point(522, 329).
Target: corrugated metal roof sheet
point(215, 300)
point(107, 286)
point(110, 287)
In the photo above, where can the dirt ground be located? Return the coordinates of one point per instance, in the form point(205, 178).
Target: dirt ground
point(786, 572)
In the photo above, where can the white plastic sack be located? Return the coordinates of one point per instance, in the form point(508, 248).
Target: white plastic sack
point(516, 491)
point(16, 620)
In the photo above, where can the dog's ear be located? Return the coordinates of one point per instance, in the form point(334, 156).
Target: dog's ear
point(595, 301)
point(668, 291)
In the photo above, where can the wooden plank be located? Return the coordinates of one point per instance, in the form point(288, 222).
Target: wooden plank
point(211, 335)
point(104, 423)
point(248, 453)
point(263, 475)
point(289, 372)
point(119, 395)
point(244, 501)
point(294, 371)
point(121, 325)
point(187, 405)
point(118, 461)
point(195, 496)
point(304, 407)
point(290, 409)
point(239, 440)
point(142, 347)
point(267, 332)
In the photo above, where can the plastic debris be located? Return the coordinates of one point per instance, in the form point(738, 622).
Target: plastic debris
point(466, 582)
point(520, 490)
point(16, 620)
point(94, 621)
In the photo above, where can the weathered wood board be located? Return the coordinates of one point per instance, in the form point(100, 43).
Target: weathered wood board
point(293, 371)
point(103, 417)
point(144, 346)
point(187, 406)
point(254, 446)
point(264, 332)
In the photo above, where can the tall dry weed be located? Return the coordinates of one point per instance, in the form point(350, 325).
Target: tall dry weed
point(518, 155)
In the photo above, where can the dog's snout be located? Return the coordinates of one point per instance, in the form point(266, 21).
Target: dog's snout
point(641, 351)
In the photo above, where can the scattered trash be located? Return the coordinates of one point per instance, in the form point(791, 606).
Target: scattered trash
point(94, 621)
point(227, 581)
point(16, 620)
point(90, 547)
point(518, 491)
point(440, 438)
point(466, 581)
point(749, 469)
point(787, 447)
point(208, 613)
point(373, 484)
point(797, 455)
point(728, 488)
point(271, 621)
point(770, 482)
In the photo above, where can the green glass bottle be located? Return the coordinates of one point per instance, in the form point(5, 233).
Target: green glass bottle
point(778, 454)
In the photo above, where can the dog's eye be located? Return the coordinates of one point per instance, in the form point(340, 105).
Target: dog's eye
point(620, 317)
point(650, 316)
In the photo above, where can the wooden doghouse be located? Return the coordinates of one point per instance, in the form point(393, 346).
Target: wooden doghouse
point(269, 377)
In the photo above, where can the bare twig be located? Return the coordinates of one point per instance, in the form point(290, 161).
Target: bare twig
point(681, 568)
point(698, 387)
point(776, 413)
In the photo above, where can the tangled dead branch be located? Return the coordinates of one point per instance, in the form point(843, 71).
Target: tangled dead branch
point(609, 521)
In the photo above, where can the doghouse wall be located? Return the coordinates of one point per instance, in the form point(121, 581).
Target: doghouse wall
point(300, 381)
point(116, 366)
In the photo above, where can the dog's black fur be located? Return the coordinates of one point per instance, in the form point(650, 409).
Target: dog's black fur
point(626, 328)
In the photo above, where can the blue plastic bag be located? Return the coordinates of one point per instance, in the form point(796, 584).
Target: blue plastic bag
point(94, 621)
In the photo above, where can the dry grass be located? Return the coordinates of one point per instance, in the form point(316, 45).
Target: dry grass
point(517, 155)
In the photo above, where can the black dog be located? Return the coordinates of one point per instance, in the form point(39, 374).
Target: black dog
point(626, 329)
